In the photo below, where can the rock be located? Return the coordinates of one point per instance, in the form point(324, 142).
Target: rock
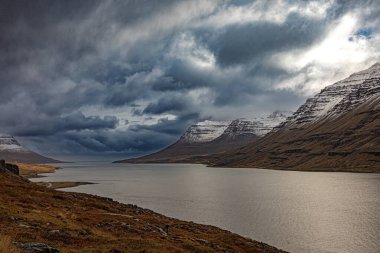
point(115, 251)
point(12, 168)
point(203, 241)
point(166, 228)
point(36, 247)
point(15, 219)
point(125, 225)
point(59, 235)
point(7, 167)
point(24, 226)
point(54, 231)
point(162, 231)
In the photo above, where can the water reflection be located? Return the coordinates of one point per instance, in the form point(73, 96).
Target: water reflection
point(296, 211)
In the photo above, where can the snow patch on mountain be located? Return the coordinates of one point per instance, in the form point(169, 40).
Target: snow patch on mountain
point(257, 126)
point(244, 127)
point(339, 97)
point(9, 143)
point(275, 118)
point(207, 131)
point(204, 131)
point(361, 76)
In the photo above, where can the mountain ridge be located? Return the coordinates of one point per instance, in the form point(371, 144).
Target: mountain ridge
point(203, 139)
point(336, 130)
point(12, 151)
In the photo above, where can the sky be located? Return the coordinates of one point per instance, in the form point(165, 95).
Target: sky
point(128, 77)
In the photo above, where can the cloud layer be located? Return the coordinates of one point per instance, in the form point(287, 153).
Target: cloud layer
point(128, 77)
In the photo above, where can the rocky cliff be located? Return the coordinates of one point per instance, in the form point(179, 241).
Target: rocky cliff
point(8, 167)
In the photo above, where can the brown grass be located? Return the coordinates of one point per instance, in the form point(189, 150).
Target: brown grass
point(32, 170)
point(6, 245)
point(348, 143)
point(75, 222)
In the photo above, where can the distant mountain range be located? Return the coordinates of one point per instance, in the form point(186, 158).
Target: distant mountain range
point(12, 151)
point(336, 130)
point(213, 137)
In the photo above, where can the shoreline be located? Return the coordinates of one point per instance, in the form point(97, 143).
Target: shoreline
point(35, 170)
point(30, 171)
point(33, 214)
point(62, 185)
point(210, 165)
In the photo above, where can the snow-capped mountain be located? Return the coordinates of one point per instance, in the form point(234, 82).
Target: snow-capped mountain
point(204, 131)
point(257, 126)
point(339, 97)
point(211, 137)
point(244, 127)
point(12, 151)
point(336, 130)
point(9, 143)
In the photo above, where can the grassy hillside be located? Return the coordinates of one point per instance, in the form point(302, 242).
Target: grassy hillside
point(74, 222)
point(350, 142)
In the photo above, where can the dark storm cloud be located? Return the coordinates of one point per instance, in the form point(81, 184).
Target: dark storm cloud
point(74, 72)
point(166, 104)
point(171, 127)
point(241, 44)
point(73, 122)
point(181, 76)
point(136, 140)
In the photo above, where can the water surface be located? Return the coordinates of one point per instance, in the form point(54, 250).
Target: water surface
point(295, 211)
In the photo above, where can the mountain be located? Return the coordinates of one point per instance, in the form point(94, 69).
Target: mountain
point(243, 131)
point(338, 129)
point(212, 137)
point(204, 131)
point(12, 151)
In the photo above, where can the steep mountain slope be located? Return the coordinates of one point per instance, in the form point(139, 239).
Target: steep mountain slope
point(192, 146)
point(212, 137)
point(338, 130)
point(243, 130)
point(204, 131)
point(12, 151)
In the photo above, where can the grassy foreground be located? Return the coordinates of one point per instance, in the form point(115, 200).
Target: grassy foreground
point(75, 222)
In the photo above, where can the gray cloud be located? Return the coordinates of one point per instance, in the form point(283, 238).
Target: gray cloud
point(242, 44)
point(131, 76)
point(167, 104)
point(41, 126)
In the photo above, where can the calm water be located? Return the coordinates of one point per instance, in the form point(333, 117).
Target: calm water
point(295, 211)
